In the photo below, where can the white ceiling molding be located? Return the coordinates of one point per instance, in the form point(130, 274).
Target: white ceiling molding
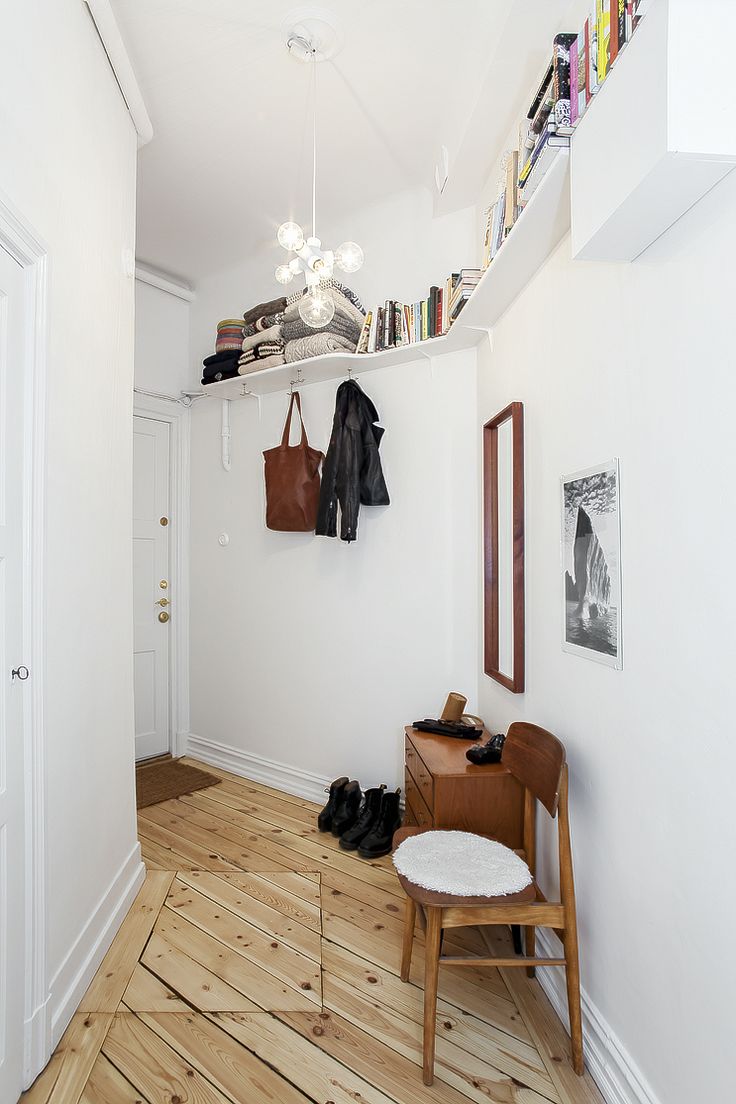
point(117, 54)
point(147, 276)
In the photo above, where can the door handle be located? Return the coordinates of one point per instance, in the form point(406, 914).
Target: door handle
point(21, 673)
point(163, 617)
point(162, 602)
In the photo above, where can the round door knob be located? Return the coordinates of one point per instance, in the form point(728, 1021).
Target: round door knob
point(163, 617)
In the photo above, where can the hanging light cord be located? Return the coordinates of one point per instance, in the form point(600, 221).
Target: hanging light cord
point(314, 140)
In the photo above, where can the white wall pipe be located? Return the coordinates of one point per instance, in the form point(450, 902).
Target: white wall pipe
point(226, 434)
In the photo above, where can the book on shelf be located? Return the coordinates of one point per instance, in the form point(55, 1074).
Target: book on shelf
point(603, 14)
point(582, 77)
point(512, 190)
point(362, 346)
point(574, 79)
point(561, 79)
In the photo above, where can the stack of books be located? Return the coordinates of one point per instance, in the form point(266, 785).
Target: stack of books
point(394, 324)
point(606, 31)
point(579, 65)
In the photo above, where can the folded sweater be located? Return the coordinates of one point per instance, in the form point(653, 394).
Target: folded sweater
point(259, 365)
point(340, 326)
point(271, 307)
point(316, 345)
point(271, 334)
point(266, 348)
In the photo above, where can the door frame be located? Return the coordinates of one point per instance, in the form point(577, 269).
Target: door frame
point(178, 419)
point(20, 239)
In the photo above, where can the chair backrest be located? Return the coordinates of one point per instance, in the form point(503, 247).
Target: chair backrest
point(536, 758)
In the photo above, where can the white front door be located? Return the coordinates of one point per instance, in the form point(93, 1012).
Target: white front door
point(13, 676)
point(152, 598)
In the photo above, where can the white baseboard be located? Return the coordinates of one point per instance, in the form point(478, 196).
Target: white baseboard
point(270, 772)
point(72, 979)
point(612, 1068)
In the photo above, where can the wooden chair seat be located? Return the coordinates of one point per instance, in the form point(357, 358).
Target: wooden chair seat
point(431, 898)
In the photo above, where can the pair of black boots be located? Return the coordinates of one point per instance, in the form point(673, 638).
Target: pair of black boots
point(364, 822)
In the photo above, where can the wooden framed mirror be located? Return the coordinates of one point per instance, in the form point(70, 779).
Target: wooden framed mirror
point(503, 547)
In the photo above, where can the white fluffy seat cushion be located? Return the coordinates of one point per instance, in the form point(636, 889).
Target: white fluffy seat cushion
point(462, 864)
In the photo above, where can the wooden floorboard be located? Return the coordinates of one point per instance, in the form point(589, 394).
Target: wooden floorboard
point(260, 962)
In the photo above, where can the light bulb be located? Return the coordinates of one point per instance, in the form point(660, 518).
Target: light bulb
point(349, 256)
point(283, 274)
point(291, 236)
point(316, 309)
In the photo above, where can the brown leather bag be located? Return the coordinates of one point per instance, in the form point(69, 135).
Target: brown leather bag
point(292, 480)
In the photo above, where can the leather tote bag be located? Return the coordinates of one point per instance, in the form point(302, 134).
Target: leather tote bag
point(292, 480)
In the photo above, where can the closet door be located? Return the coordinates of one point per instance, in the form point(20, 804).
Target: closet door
point(152, 599)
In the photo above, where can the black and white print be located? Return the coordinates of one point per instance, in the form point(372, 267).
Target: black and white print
point(591, 564)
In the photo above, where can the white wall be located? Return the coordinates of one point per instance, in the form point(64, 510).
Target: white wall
point(313, 652)
point(305, 650)
point(68, 166)
point(635, 361)
point(162, 360)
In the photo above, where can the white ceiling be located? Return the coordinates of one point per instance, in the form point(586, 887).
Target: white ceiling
point(231, 154)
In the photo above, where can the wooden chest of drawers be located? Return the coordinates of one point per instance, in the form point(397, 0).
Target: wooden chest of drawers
point(444, 790)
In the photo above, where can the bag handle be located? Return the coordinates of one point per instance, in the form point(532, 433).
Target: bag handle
point(287, 424)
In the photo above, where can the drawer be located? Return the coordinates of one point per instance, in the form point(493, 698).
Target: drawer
point(419, 772)
point(415, 802)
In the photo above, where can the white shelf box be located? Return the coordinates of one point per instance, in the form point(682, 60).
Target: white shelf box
point(659, 134)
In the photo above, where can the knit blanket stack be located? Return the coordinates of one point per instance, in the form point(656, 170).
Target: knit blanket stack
point(273, 333)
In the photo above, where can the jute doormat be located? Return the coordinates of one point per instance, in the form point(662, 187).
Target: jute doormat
point(163, 779)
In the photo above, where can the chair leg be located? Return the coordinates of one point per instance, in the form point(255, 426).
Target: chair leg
point(431, 971)
point(516, 938)
point(410, 913)
point(530, 935)
point(572, 977)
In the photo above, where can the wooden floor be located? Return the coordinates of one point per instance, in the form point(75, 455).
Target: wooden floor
point(260, 963)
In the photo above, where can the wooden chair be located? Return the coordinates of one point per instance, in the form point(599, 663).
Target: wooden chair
point(537, 759)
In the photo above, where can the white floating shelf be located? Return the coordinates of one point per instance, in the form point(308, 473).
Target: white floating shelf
point(659, 133)
point(540, 227)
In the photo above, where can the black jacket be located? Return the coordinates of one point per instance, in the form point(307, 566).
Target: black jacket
point(351, 474)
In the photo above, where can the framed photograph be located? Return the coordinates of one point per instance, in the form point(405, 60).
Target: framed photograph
point(591, 564)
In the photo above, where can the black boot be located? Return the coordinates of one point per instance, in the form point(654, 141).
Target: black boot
point(378, 841)
point(347, 810)
point(350, 839)
point(324, 820)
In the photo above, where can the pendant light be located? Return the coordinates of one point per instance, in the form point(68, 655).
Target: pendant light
point(316, 307)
